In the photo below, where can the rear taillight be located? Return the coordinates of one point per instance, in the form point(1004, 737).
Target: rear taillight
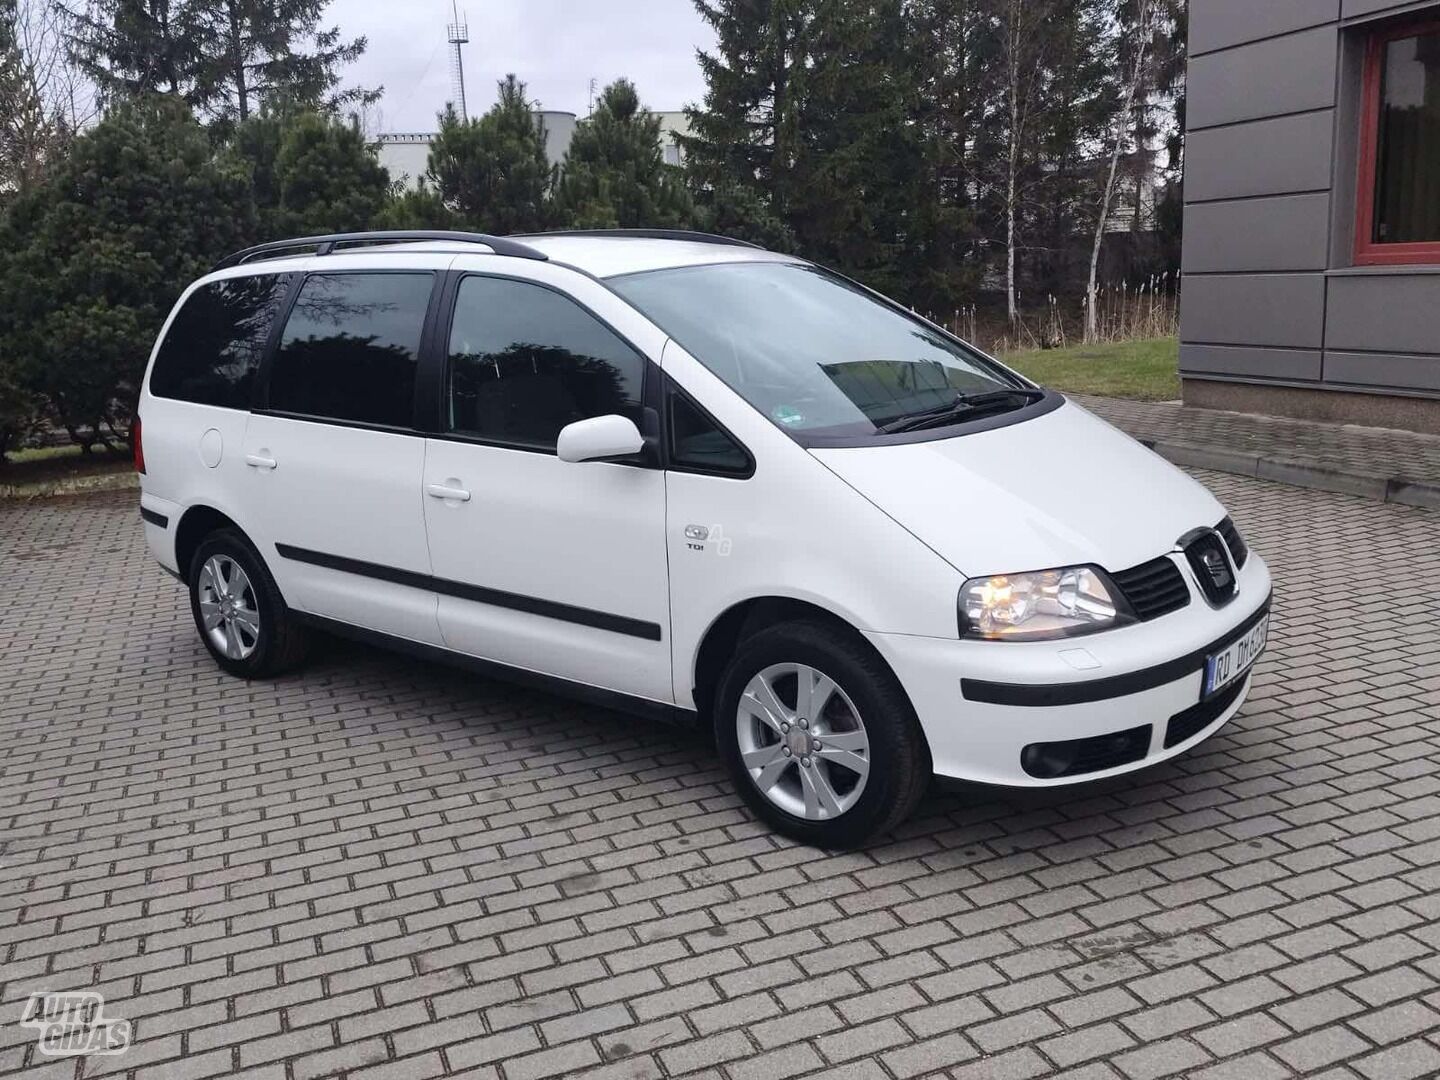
point(137, 446)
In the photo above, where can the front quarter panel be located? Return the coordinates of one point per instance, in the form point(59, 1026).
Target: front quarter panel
point(792, 530)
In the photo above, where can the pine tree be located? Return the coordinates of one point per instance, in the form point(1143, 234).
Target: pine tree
point(856, 180)
point(416, 208)
point(614, 174)
point(737, 210)
point(135, 47)
point(222, 57)
point(947, 112)
point(310, 173)
point(492, 173)
point(19, 110)
point(272, 50)
point(13, 93)
point(810, 116)
point(744, 139)
point(99, 251)
point(17, 99)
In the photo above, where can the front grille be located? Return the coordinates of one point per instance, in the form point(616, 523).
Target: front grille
point(1233, 540)
point(1188, 724)
point(1075, 757)
point(1154, 588)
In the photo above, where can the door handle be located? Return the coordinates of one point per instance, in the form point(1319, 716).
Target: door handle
point(259, 461)
point(445, 491)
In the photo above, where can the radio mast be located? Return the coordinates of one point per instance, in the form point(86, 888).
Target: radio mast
point(459, 34)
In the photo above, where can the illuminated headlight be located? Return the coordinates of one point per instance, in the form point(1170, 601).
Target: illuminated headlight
point(1045, 604)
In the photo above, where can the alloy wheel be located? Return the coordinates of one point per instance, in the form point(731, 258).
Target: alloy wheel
point(802, 741)
point(228, 608)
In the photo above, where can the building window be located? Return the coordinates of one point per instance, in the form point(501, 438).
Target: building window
point(1399, 193)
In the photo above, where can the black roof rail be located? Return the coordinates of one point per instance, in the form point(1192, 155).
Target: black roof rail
point(329, 242)
point(647, 234)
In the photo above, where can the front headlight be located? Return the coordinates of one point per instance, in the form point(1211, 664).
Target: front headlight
point(1044, 604)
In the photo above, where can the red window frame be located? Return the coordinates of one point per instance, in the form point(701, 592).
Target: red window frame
point(1368, 251)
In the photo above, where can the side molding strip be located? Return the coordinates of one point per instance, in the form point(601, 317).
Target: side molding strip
point(550, 609)
point(154, 519)
point(490, 669)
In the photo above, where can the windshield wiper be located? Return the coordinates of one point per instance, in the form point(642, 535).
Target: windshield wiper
point(963, 405)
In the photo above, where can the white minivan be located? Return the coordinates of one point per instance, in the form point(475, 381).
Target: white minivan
point(680, 474)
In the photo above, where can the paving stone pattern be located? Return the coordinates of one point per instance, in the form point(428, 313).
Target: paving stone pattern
point(383, 869)
point(1404, 459)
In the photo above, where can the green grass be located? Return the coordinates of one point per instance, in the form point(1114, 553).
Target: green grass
point(1142, 370)
point(44, 453)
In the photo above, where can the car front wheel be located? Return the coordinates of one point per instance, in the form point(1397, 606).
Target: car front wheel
point(820, 738)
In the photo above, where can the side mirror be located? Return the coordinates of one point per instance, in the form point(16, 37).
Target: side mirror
point(599, 438)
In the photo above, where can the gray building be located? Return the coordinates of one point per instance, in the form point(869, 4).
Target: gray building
point(1312, 216)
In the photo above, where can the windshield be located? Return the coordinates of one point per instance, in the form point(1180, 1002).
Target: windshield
point(815, 353)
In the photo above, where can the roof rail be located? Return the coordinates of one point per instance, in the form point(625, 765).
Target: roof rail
point(329, 242)
point(647, 234)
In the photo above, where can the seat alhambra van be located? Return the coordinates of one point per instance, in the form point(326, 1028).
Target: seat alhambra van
point(682, 475)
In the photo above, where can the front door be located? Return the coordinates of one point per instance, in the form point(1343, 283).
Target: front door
point(333, 461)
point(542, 564)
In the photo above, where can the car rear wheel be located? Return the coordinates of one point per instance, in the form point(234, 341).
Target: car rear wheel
point(238, 610)
point(820, 738)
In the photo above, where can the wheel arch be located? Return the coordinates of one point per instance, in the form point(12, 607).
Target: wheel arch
point(196, 523)
point(743, 619)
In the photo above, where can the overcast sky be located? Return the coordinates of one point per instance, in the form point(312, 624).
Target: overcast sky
point(555, 46)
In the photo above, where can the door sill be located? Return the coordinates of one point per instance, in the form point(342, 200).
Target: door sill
point(491, 669)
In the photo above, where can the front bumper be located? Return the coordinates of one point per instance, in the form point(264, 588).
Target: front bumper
point(1130, 696)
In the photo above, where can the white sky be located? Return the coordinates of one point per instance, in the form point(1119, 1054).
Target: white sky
point(555, 46)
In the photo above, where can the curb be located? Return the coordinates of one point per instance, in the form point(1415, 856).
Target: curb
point(85, 485)
point(1304, 474)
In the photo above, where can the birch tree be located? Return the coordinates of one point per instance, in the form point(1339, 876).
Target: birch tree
point(1020, 27)
point(42, 97)
point(1143, 30)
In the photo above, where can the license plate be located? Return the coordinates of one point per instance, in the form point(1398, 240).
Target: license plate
point(1224, 667)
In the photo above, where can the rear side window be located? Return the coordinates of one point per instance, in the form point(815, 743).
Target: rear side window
point(213, 348)
point(350, 348)
point(525, 361)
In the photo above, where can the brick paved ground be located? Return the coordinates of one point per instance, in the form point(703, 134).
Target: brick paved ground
point(391, 870)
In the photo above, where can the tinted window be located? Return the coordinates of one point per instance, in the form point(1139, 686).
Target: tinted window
point(698, 443)
point(215, 343)
point(525, 361)
point(350, 346)
point(1407, 197)
point(813, 352)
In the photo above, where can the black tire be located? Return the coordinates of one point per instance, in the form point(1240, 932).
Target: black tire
point(899, 757)
point(281, 643)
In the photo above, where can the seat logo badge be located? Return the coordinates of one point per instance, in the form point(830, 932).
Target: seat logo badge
point(701, 537)
point(1215, 563)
